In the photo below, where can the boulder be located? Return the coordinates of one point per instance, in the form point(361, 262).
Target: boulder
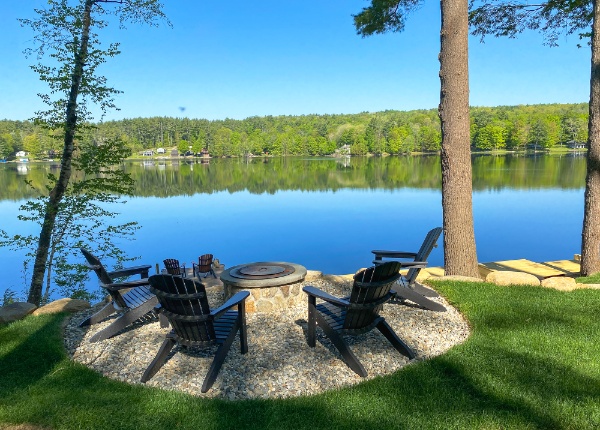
point(507, 277)
point(16, 311)
point(63, 305)
point(423, 275)
point(561, 283)
point(313, 275)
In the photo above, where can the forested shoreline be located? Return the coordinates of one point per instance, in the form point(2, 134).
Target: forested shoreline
point(388, 132)
point(165, 178)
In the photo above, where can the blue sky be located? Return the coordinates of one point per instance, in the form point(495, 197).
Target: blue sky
point(239, 59)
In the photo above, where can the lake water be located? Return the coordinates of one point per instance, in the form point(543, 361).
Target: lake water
point(326, 214)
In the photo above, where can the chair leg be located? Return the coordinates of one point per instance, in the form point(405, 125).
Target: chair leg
point(398, 343)
point(312, 321)
point(409, 294)
point(107, 310)
point(215, 366)
point(211, 272)
point(243, 330)
point(160, 359)
point(123, 321)
point(164, 321)
point(347, 355)
point(424, 291)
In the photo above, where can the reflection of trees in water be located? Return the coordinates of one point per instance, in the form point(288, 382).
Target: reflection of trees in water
point(168, 178)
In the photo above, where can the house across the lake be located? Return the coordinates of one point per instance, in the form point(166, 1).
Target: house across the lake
point(148, 153)
point(160, 151)
point(21, 154)
point(575, 145)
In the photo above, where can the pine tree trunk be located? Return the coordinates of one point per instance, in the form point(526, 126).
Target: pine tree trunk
point(57, 193)
point(460, 257)
point(590, 237)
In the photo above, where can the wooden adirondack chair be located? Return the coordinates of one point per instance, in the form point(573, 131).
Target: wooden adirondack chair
point(418, 260)
point(174, 268)
point(184, 303)
point(356, 314)
point(132, 299)
point(204, 266)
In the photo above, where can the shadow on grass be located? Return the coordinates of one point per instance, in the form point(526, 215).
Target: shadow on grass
point(29, 350)
point(497, 379)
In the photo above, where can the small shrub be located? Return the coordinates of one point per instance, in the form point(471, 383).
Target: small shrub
point(9, 297)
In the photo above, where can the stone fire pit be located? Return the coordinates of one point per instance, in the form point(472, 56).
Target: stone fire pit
point(272, 285)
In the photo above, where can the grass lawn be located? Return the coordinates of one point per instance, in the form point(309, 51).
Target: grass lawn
point(532, 362)
point(594, 279)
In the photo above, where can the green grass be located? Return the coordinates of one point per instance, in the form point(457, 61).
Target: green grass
point(532, 362)
point(593, 279)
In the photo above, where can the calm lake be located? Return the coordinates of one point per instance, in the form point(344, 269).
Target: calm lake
point(323, 213)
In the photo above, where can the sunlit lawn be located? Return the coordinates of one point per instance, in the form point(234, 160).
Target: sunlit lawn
point(594, 279)
point(533, 361)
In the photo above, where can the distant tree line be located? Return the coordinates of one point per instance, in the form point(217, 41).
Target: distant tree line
point(387, 132)
point(261, 175)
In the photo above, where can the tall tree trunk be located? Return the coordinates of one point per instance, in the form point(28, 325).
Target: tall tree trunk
point(590, 236)
point(460, 257)
point(56, 194)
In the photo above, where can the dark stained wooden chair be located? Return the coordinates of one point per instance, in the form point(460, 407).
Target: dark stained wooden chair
point(132, 299)
point(413, 291)
point(356, 314)
point(184, 303)
point(174, 268)
point(204, 266)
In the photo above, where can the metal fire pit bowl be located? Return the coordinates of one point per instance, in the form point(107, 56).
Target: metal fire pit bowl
point(262, 271)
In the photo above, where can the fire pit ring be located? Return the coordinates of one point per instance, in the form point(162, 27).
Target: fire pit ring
point(272, 284)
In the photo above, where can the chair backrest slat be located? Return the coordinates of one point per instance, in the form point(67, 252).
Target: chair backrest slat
point(427, 246)
point(103, 276)
point(171, 292)
point(371, 288)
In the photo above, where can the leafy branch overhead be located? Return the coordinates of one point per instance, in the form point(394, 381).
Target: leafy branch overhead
point(501, 18)
point(383, 16)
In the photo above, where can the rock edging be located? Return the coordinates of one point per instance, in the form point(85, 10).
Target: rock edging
point(19, 310)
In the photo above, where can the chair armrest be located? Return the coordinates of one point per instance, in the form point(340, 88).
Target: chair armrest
point(413, 264)
point(315, 292)
point(236, 299)
point(407, 264)
point(129, 284)
point(128, 271)
point(393, 254)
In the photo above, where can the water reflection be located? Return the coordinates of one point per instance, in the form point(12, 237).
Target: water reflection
point(166, 177)
point(327, 214)
point(22, 169)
